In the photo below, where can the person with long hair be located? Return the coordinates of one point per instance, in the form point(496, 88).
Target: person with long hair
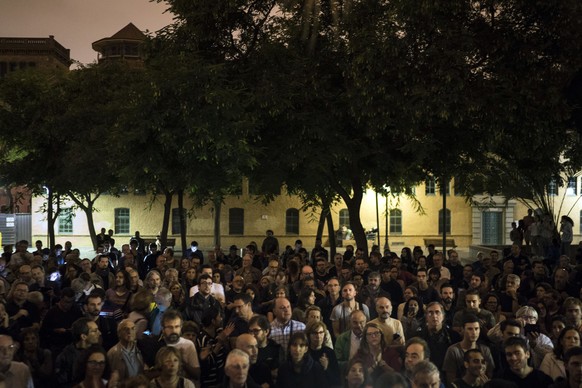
point(413, 316)
point(169, 363)
point(300, 370)
point(409, 292)
point(373, 351)
point(306, 299)
point(141, 304)
point(316, 333)
point(119, 293)
point(153, 281)
point(189, 278)
point(93, 370)
point(553, 362)
point(178, 294)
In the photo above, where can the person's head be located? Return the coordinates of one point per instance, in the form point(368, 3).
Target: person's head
point(141, 302)
point(437, 260)
point(7, 349)
point(260, 328)
point(517, 353)
point(473, 301)
point(30, 339)
point(349, 292)
point(474, 362)
point(422, 277)
point(373, 336)
point(242, 305)
point(282, 310)
point(374, 280)
point(528, 314)
point(416, 350)
point(18, 291)
point(248, 344)
point(558, 323)
point(425, 374)
point(573, 311)
point(93, 305)
point(435, 313)
point(447, 293)
point(467, 272)
point(333, 286)
point(306, 298)
point(67, 299)
point(383, 308)
point(567, 339)
point(126, 331)
point(476, 280)
point(92, 363)
point(471, 328)
point(312, 314)
point(153, 280)
point(163, 299)
point(492, 302)
point(85, 331)
point(190, 329)
point(298, 347)
point(357, 373)
point(316, 334)
point(171, 326)
point(237, 367)
point(392, 380)
point(357, 322)
point(168, 361)
point(573, 363)
point(510, 328)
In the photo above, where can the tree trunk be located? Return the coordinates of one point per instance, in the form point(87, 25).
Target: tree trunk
point(50, 219)
point(321, 223)
point(354, 203)
point(86, 204)
point(183, 231)
point(168, 195)
point(331, 233)
point(217, 214)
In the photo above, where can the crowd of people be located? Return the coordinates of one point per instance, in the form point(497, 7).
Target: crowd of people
point(263, 316)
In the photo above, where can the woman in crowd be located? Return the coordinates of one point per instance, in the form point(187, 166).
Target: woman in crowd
point(316, 333)
point(93, 370)
point(253, 292)
point(306, 299)
point(553, 363)
point(313, 314)
point(409, 292)
point(189, 279)
point(300, 370)
point(178, 294)
point(168, 362)
point(374, 352)
point(413, 316)
point(557, 324)
point(492, 305)
point(141, 304)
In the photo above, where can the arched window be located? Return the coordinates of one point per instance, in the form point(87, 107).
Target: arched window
point(396, 221)
point(236, 221)
point(444, 225)
point(292, 221)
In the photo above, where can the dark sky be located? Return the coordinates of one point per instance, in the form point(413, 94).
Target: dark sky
point(78, 23)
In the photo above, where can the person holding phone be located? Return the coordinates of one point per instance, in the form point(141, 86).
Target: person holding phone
point(540, 343)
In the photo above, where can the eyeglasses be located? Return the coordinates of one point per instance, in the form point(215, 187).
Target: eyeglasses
point(7, 349)
point(373, 334)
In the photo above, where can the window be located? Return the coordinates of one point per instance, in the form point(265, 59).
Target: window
point(553, 187)
point(122, 220)
point(66, 221)
point(446, 225)
point(430, 186)
point(292, 221)
point(176, 219)
point(344, 218)
point(236, 221)
point(396, 221)
point(572, 188)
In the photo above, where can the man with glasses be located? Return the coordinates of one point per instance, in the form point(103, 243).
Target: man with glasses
point(16, 373)
point(201, 301)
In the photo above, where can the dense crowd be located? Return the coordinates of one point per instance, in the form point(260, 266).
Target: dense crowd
point(270, 317)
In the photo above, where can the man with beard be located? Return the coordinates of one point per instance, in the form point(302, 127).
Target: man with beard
point(453, 364)
point(103, 275)
point(260, 373)
point(341, 313)
point(391, 328)
point(449, 302)
point(106, 324)
point(171, 330)
point(370, 293)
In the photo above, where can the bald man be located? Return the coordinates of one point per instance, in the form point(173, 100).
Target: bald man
point(391, 328)
point(260, 373)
